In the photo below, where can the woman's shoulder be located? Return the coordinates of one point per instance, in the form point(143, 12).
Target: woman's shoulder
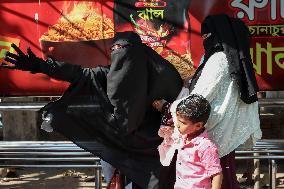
point(217, 56)
point(218, 59)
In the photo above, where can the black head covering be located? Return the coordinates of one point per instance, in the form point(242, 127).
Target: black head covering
point(230, 35)
point(127, 37)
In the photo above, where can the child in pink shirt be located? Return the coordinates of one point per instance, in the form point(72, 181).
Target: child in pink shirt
point(198, 165)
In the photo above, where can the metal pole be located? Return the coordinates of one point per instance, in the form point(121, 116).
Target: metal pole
point(273, 174)
point(98, 177)
point(269, 171)
point(256, 172)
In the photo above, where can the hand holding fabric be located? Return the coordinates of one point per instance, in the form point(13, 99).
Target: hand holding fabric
point(21, 61)
point(166, 131)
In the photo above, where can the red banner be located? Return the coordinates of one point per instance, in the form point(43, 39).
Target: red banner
point(80, 32)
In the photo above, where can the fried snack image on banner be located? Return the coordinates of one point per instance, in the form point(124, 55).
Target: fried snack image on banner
point(82, 35)
point(83, 23)
point(183, 64)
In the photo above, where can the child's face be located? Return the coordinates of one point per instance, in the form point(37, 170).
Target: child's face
point(185, 126)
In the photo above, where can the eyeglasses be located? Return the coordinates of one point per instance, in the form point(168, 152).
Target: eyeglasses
point(118, 46)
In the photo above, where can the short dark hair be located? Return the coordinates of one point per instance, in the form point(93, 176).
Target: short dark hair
point(195, 108)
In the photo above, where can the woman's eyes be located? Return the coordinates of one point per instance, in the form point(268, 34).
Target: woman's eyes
point(118, 46)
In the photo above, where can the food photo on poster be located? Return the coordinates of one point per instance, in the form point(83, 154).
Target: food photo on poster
point(77, 32)
point(81, 32)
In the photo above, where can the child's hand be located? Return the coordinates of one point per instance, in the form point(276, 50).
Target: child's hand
point(158, 104)
point(166, 131)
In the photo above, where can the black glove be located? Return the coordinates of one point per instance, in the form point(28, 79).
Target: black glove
point(21, 61)
point(52, 68)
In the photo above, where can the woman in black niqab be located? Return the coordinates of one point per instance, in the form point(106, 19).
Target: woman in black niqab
point(108, 110)
point(124, 124)
point(230, 35)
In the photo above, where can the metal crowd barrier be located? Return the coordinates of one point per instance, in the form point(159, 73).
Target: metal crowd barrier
point(270, 150)
point(37, 105)
point(65, 154)
point(21, 105)
point(271, 102)
point(48, 154)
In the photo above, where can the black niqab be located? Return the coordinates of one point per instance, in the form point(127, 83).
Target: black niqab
point(127, 81)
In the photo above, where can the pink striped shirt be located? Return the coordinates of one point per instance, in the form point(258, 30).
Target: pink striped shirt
point(197, 161)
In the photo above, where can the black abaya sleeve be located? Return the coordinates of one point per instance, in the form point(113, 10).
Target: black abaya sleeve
point(61, 70)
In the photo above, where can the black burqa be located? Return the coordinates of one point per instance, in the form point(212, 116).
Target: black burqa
point(231, 36)
point(108, 110)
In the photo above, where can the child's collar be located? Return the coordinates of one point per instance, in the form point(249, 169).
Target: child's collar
point(199, 133)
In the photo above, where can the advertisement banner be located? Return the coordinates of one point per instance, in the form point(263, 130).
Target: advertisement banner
point(80, 32)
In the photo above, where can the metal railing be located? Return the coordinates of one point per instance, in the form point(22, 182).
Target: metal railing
point(270, 150)
point(37, 105)
point(48, 154)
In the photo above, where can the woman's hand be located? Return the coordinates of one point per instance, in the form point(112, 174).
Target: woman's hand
point(158, 104)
